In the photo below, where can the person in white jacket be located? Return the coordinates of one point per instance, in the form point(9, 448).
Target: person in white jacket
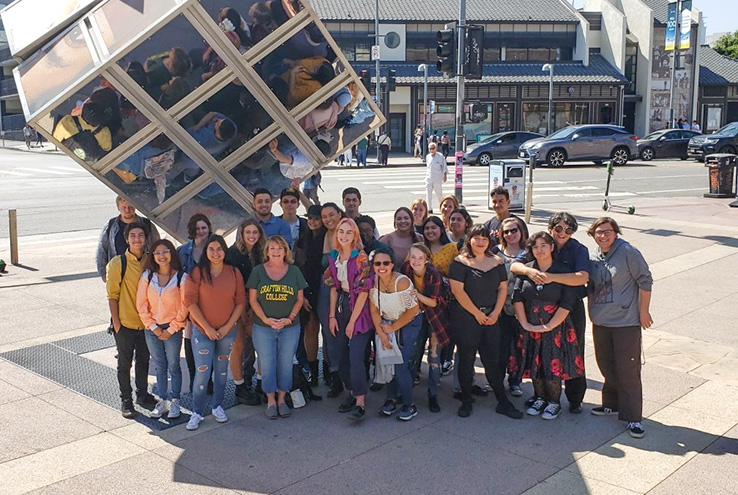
point(436, 173)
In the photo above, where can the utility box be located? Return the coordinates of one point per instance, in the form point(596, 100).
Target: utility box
point(509, 174)
point(721, 175)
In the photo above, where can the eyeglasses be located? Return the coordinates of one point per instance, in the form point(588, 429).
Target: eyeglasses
point(559, 229)
point(382, 263)
point(510, 231)
point(162, 252)
point(604, 233)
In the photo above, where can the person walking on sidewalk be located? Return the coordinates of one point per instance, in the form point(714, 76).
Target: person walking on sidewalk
point(436, 173)
point(276, 297)
point(361, 150)
point(385, 145)
point(27, 135)
point(619, 307)
point(160, 304)
point(122, 275)
point(418, 142)
point(396, 317)
point(445, 144)
point(215, 296)
point(112, 241)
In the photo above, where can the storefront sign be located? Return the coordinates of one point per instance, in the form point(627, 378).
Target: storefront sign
point(671, 20)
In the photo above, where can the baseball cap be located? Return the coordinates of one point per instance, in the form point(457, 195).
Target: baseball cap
point(314, 211)
point(290, 191)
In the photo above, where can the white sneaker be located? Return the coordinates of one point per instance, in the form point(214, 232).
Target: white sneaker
point(220, 415)
point(159, 409)
point(194, 422)
point(174, 409)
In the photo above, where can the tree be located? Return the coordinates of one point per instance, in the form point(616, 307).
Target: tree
point(728, 45)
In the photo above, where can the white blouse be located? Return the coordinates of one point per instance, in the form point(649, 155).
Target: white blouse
point(392, 304)
point(342, 273)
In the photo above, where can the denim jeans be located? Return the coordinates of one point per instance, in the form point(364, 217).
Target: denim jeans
point(210, 354)
point(361, 157)
point(402, 384)
point(165, 355)
point(276, 350)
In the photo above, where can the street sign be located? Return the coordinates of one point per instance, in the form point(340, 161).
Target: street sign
point(375, 52)
point(432, 104)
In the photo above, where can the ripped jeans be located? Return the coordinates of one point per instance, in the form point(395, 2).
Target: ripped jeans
point(210, 354)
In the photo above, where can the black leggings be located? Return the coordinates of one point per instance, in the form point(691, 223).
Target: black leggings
point(471, 337)
point(576, 387)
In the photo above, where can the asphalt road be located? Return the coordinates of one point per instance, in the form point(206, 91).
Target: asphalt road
point(53, 194)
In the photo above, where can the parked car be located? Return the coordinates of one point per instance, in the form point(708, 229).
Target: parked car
point(583, 142)
point(497, 146)
point(666, 143)
point(724, 140)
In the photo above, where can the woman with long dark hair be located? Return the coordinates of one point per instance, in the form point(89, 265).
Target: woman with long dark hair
point(350, 278)
point(403, 236)
point(215, 295)
point(550, 349)
point(245, 254)
point(442, 250)
point(160, 304)
point(479, 284)
point(459, 223)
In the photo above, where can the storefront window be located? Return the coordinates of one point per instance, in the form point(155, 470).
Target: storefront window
point(535, 116)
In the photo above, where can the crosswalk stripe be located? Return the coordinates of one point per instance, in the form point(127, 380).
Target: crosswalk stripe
point(43, 171)
point(67, 169)
point(12, 172)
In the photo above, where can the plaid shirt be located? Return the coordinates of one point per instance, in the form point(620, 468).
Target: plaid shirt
point(433, 288)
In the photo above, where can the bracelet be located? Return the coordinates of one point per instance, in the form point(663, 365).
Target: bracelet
point(332, 317)
point(293, 314)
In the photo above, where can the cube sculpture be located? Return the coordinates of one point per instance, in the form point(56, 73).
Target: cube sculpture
point(186, 106)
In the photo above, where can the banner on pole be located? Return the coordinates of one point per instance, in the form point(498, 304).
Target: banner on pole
point(685, 25)
point(671, 20)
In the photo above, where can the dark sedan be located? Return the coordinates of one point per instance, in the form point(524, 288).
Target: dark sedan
point(497, 146)
point(724, 140)
point(666, 143)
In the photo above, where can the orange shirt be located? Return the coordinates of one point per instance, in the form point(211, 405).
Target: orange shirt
point(217, 300)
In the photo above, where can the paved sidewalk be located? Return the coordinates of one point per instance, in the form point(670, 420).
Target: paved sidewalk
point(55, 440)
point(45, 147)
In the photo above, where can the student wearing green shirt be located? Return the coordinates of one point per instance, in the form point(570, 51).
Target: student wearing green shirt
point(276, 296)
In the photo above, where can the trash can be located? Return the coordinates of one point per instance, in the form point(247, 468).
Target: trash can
point(720, 169)
point(511, 175)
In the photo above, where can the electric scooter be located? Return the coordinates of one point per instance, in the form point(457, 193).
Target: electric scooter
point(607, 205)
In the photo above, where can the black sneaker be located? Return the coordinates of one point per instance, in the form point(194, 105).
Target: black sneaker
point(416, 380)
point(604, 411)
point(479, 391)
point(127, 410)
point(347, 405)
point(575, 408)
point(357, 414)
point(529, 402)
point(146, 400)
point(246, 396)
point(635, 428)
point(446, 368)
point(507, 408)
point(389, 408)
point(433, 405)
point(336, 385)
point(407, 413)
point(376, 387)
point(465, 409)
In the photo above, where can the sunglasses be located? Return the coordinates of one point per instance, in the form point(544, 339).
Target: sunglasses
point(559, 229)
point(382, 263)
point(290, 201)
point(510, 231)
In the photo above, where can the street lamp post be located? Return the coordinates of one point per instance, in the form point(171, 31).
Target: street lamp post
point(424, 68)
point(460, 135)
point(550, 69)
point(376, 66)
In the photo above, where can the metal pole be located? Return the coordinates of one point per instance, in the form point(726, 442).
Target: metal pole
point(426, 111)
point(460, 136)
point(376, 66)
point(13, 225)
point(550, 99)
point(529, 189)
point(674, 59)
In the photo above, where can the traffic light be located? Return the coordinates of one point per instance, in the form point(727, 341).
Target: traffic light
point(366, 79)
point(474, 62)
point(446, 52)
point(391, 85)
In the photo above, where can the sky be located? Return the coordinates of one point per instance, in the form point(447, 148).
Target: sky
point(714, 11)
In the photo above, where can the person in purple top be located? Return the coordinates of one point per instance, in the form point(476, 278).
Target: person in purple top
point(350, 278)
point(271, 224)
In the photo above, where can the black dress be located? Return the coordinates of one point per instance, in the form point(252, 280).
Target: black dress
point(553, 355)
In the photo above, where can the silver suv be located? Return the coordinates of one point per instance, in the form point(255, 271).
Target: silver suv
point(583, 142)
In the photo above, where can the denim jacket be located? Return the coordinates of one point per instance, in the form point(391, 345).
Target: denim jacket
point(185, 256)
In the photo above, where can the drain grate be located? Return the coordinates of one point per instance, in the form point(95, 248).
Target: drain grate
point(61, 362)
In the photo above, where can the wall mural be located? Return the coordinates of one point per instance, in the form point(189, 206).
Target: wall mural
point(186, 106)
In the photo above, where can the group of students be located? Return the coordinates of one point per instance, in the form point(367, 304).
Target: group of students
point(441, 283)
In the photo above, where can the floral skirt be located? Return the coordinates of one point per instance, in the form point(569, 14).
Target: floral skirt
point(553, 355)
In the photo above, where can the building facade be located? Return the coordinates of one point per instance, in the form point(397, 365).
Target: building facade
point(718, 91)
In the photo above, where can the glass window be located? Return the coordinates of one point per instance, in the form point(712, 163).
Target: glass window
point(95, 120)
point(54, 69)
point(273, 167)
point(539, 54)
point(492, 54)
point(602, 132)
point(535, 117)
point(226, 121)
point(363, 52)
point(420, 54)
point(222, 211)
point(512, 54)
point(119, 23)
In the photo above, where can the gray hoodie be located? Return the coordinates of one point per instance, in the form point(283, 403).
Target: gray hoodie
point(614, 282)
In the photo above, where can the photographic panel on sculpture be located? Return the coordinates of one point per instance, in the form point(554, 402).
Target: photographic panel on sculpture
point(226, 121)
point(172, 63)
point(222, 210)
point(55, 68)
point(94, 120)
point(299, 67)
point(154, 172)
point(119, 21)
point(275, 166)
